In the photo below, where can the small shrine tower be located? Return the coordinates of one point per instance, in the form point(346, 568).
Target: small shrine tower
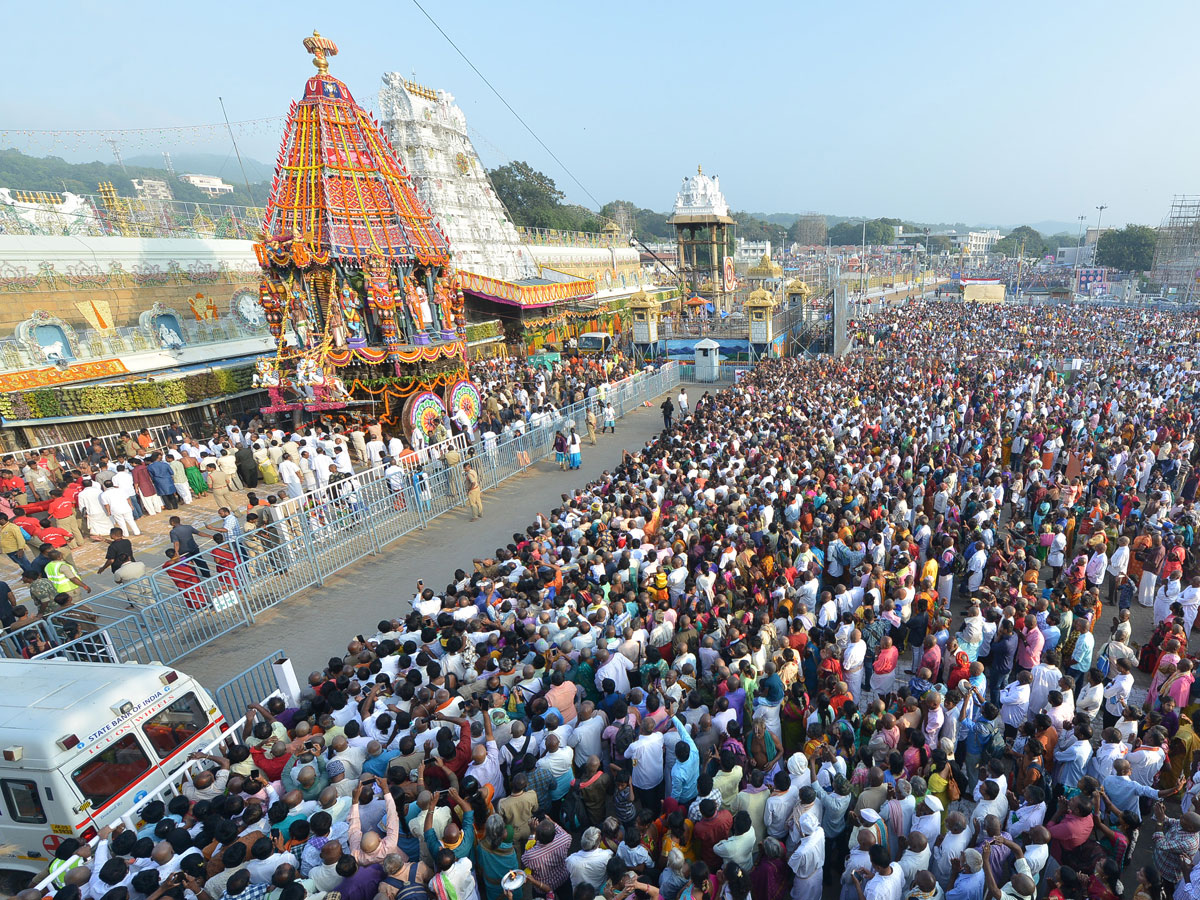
point(702, 236)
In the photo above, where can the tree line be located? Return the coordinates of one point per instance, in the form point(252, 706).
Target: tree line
point(56, 175)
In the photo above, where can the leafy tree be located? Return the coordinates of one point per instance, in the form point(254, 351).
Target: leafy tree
point(1131, 249)
point(879, 232)
point(808, 230)
point(531, 198)
point(534, 200)
point(938, 243)
point(1011, 243)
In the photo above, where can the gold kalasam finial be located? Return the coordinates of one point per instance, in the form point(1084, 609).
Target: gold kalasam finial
point(699, 171)
point(321, 48)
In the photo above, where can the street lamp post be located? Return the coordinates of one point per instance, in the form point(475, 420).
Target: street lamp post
point(862, 266)
point(1075, 268)
point(1099, 215)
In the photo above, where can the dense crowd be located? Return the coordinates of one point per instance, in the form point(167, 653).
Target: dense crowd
point(869, 628)
point(252, 470)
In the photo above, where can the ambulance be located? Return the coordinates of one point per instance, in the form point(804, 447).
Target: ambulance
point(81, 743)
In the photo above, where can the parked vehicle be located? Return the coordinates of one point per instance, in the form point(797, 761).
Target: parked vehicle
point(81, 742)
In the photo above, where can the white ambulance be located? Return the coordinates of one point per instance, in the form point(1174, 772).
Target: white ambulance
point(80, 743)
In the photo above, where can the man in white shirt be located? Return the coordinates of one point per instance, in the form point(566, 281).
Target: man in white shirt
point(647, 755)
point(558, 757)
point(1030, 814)
point(341, 458)
point(1116, 694)
point(588, 865)
point(1146, 759)
point(853, 658)
point(951, 846)
point(485, 759)
point(118, 507)
point(586, 738)
point(1014, 704)
point(887, 882)
point(289, 474)
point(375, 450)
point(615, 666)
point(916, 858)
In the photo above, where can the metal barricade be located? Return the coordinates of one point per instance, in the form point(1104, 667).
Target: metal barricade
point(197, 616)
point(253, 685)
point(319, 534)
point(126, 640)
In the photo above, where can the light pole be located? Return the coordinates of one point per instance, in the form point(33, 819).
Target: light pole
point(1099, 215)
point(862, 265)
point(1075, 268)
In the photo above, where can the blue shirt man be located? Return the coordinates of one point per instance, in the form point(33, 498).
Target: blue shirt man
point(685, 772)
point(1123, 792)
point(968, 885)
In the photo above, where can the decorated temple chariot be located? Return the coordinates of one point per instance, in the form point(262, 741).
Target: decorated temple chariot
point(358, 287)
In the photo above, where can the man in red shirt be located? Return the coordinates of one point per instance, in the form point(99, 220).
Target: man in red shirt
point(462, 751)
point(715, 825)
point(1071, 827)
point(62, 510)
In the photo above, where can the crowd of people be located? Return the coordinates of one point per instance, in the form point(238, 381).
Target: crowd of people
point(252, 470)
point(907, 625)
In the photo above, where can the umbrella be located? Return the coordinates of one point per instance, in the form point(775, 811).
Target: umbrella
point(697, 301)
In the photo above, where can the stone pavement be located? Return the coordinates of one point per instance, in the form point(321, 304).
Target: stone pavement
point(148, 547)
point(319, 623)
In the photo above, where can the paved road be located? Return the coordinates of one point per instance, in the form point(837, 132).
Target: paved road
point(319, 623)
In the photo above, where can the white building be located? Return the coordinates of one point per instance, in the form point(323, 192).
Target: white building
point(1075, 256)
point(152, 189)
point(976, 243)
point(751, 251)
point(701, 195)
point(210, 184)
point(429, 132)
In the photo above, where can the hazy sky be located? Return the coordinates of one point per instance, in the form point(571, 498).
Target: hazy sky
point(1008, 113)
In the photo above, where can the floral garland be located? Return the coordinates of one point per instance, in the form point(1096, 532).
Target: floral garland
point(401, 387)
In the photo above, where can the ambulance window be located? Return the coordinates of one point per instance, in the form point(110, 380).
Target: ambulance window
point(23, 801)
point(108, 773)
point(176, 725)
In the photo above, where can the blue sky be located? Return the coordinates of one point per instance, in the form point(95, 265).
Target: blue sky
point(1008, 113)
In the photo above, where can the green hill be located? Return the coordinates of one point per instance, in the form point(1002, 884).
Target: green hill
point(50, 173)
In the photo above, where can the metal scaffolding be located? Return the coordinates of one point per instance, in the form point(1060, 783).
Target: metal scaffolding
point(1177, 254)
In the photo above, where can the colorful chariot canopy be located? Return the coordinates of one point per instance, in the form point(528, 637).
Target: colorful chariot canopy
point(340, 190)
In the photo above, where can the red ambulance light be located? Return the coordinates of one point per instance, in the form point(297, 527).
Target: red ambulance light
point(88, 833)
point(68, 742)
point(169, 678)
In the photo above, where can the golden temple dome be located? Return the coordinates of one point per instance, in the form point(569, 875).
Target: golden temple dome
point(766, 268)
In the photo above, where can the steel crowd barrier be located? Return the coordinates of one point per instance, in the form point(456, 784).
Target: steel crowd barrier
point(170, 612)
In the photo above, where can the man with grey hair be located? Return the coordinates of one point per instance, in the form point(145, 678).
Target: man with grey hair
point(587, 865)
point(967, 881)
point(949, 847)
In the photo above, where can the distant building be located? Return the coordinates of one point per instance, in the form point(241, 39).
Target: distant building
point(152, 189)
point(210, 184)
point(751, 251)
point(976, 243)
point(1076, 256)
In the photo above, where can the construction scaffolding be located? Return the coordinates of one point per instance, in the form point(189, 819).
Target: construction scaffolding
point(1177, 254)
